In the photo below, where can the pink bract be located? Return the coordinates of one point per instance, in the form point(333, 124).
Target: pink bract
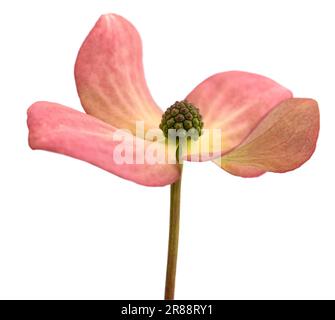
point(263, 127)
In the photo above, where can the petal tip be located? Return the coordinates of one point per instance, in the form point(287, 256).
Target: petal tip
point(283, 141)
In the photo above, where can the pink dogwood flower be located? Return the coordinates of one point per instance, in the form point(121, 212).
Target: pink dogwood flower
point(263, 127)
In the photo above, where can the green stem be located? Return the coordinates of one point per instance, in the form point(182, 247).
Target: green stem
point(173, 238)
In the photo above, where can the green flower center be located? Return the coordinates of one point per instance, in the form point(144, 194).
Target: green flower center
point(182, 115)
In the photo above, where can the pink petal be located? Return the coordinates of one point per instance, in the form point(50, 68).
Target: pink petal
point(235, 102)
point(110, 78)
point(57, 128)
point(283, 141)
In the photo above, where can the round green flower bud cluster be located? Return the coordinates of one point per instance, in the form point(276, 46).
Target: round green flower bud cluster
point(181, 115)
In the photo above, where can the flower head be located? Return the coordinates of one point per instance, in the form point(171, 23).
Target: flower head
point(261, 126)
point(182, 116)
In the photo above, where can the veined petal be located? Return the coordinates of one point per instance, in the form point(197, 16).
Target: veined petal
point(234, 102)
point(60, 129)
point(110, 78)
point(283, 141)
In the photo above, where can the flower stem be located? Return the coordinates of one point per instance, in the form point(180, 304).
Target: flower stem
point(173, 238)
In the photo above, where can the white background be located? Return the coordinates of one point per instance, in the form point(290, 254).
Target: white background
point(70, 230)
